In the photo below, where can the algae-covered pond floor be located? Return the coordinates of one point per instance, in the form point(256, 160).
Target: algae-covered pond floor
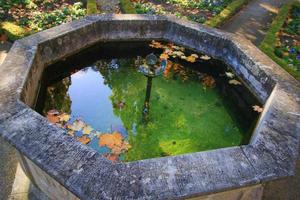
point(98, 96)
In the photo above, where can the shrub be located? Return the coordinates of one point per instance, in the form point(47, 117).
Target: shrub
point(127, 7)
point(92, 7)
point(13, 31)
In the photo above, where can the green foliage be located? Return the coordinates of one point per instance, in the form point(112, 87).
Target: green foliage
point(268, 45)
point(228, 12)
point(92, 7)
point(13, 31)
point(46, 20)
point(127, 7)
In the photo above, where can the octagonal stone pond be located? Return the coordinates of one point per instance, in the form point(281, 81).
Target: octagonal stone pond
point(218, 120)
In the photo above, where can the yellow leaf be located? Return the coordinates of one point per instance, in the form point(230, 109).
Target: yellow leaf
point(178, 53)
point(191, 59)
point(64, 117)
point(87, 130)
point(235, 82)
point(164, 56)
point(84, 139)
point(76, 126)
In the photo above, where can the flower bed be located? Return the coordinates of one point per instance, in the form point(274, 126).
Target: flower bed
point(37, 15)
point(282, 42)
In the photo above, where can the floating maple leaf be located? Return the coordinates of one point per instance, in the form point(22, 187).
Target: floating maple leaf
point(87, 130)
point(178, 48)
point(115, 142)
point(53, 116)
point(205, 57)
point(156, 45)
point(235, 82)
point(64, 117)
point(164, 56)
point(192, 58)
point(257, 108)
point(84, 139)
point(112, 157)
point(177, 54)
point(76, 126)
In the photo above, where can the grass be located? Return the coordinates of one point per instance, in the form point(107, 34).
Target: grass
point(270, 40)
point(127, 7)
point(13, 31)
point(92, 7)
point(227, 13)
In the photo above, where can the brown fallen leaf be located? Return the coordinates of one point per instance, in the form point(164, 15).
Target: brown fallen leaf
point(115, 142)
point(208, 81)
point(84, 139)
point(53, 116)
point(257, 108)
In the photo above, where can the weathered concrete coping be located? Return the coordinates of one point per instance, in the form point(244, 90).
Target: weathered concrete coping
point(270, 155)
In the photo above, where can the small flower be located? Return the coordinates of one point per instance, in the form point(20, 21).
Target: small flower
point(292, 50)
point(298, 56)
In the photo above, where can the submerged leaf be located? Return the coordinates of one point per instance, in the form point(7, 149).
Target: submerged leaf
point(191, 59)
point(208, 81)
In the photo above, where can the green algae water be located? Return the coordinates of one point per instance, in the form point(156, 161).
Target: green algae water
point(103, 90)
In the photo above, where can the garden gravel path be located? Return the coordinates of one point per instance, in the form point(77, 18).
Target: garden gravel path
point(254, 19)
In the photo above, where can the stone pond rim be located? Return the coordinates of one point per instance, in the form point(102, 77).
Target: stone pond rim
point(49, 155)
